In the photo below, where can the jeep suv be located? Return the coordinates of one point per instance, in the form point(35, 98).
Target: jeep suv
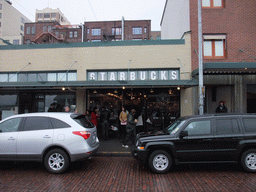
point(200, 139)
point(56, 139)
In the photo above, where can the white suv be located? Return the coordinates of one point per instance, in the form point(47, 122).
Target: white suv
point(56, 139)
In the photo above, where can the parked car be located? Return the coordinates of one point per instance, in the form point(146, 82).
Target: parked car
point(56, 139)
point(200, 139)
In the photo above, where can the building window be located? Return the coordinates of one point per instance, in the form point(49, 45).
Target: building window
point(88, 31)
point(0, 24)
point(214, 46)
point(96, 32)
point(145, 29)
point(95, 40)
point(137, 30)
point(49, 28)
point(75, 34)
point(53, 15)
point(39, 15)
point(137, 39)
point(22, 20)
point(0, 6)
point(33, 31)
point(0, 15)
point(47, 15)
point(28, 30)
point(21, 28)
point(212, 3)
point(44, 29)
point(16, 42)
point(116, 31)
point(28, 41)
point(57, 33)
point(71, 34)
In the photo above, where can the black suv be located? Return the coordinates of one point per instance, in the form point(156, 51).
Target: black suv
point(199, 139)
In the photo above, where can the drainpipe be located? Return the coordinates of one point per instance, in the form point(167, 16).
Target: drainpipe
point(123, 28)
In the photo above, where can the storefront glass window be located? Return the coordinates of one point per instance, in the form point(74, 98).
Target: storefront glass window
point(8, 105)
point(3, 77)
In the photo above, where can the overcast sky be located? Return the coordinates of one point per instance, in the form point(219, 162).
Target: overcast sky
point(76, 11)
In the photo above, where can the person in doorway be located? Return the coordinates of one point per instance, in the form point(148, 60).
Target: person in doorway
point(66, 109)
point(88, 115)
point(104, 118)
point(52, 108)
point(123, 121)
point(221, 108)
point(130, 128)
point(94, 116)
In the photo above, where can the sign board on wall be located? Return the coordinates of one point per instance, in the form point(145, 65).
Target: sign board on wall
point(134, 75)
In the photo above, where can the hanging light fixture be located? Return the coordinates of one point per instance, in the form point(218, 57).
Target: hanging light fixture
point(63, 88)
point(94, 91)
point(123, 87)
point(115, 91)
point(178, 88)
point(170, 91)
point(151, 91)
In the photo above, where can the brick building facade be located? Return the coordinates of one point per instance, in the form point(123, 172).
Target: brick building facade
point(229, 53)
point(234, 21)
point(51, 32)
point(112, 30)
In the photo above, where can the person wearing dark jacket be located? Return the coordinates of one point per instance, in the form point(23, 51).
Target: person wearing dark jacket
point(221, 108)
point(104, 118)
point(130, 128)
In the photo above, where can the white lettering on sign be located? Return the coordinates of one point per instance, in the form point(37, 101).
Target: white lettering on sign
point(153, 75)
point(134, 75)
point(92, 76)
point(112, 77)
point(122, 76)
point(102, 76)
point(163, 75)
point(142, 75)
point(174, 75)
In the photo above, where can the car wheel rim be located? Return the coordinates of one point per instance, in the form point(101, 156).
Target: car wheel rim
point(250, 161)
point(56, 161)
point(160, 162)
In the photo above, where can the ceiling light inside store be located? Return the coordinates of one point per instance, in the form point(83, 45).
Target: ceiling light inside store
point(151, 91)
point(115, 91)
point(95, 91)
point(170, 91)
point(178, 88)
point(123, 87)
point(63, 89)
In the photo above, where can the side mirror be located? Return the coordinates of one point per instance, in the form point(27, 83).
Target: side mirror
point(183, 134)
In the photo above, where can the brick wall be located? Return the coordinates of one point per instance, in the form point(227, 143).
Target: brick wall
point(237, 20)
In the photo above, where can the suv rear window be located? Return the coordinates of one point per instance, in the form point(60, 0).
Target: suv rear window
point(81, 120)
point(56, 123)
point(249, 124)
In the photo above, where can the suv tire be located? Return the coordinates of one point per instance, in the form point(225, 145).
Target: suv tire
point(56, 161)
point(248, 160)
point(160, 161)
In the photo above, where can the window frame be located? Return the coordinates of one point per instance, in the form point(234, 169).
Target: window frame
point(96, 32)
point(213, 39)
point(135, 29)
point(212, 5)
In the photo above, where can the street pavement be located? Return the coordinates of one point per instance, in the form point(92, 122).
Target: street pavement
point(118, 171)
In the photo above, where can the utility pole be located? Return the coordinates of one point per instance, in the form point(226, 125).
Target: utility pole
point(200, 60)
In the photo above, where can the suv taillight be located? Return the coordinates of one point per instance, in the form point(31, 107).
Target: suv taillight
point(84, 134)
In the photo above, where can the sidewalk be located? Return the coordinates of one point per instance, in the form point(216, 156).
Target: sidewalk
point(112, 147)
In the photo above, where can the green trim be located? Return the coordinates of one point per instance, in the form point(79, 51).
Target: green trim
point(95, 44)
point(6, 42)
point(226, 65)
point(230, 65)
point(99, 84)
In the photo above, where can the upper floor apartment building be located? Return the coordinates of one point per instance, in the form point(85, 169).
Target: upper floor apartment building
point(229, 51)
point(54, 32)
point(11, 23)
